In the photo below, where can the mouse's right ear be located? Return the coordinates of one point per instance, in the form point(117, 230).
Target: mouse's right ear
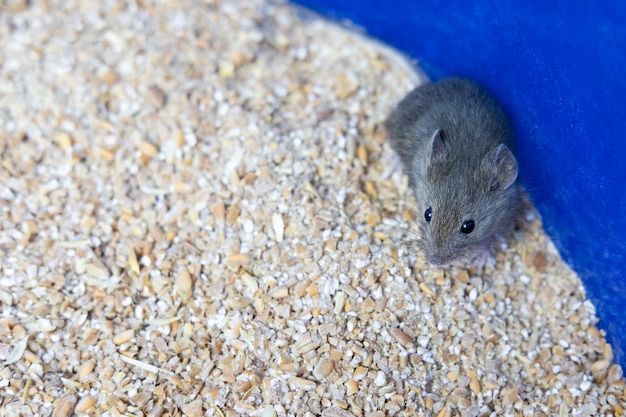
point(438, 151)
point(500, 168)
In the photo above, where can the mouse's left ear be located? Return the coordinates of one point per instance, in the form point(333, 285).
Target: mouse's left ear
point(438, 150)
point(499, 168)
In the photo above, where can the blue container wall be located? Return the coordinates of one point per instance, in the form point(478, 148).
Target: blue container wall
point(559, 68)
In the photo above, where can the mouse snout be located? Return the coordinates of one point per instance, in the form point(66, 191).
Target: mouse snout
point(440, 256)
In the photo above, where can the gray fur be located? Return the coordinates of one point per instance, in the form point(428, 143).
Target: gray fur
point(456, 144)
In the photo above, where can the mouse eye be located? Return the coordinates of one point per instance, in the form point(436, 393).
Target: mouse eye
point(428, 214)
point(467, 226)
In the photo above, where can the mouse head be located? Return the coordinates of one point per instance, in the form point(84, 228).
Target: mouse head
point(464, 202)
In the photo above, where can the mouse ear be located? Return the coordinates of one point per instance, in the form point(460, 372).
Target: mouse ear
point(500, 168)
point(438, 151)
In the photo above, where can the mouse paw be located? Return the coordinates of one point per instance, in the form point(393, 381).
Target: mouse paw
point(483, 258)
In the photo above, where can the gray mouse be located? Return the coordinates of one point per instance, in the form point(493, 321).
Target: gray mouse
point(456, 144)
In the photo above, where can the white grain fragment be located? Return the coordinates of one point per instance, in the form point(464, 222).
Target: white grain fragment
point(190, 137)
point(308, 343)
point(108, 283)
point(6, 193)
point(163, 321)
point(226, 69)
point(323, 368)
point(188, 330)
point(154, 191)
point(250, 281)
point(99, 272)
point(193, 408)
point(73, 244)
point(340, 302)
point(234, 161)
point(70, 383)
point(279, 226)
point(41, 325)
point(423, 340)
point(17, 352)
point(523, 359)
point(6, 298)
point(307, 187)
point(336, 412)
point(361, 263)
point(248, 226)
point(279, 292)
point(144, 366)
point(302, 383)
point(79, 265)
point(381, 379)
point(242, 408)
point(174, 213)
point(498, 330)
point(269, 411)
point(585, 385)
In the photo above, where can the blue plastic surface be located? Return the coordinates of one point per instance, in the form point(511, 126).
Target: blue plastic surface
point(559, 69)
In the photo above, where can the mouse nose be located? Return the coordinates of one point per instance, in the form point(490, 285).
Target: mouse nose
point(439, 256)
